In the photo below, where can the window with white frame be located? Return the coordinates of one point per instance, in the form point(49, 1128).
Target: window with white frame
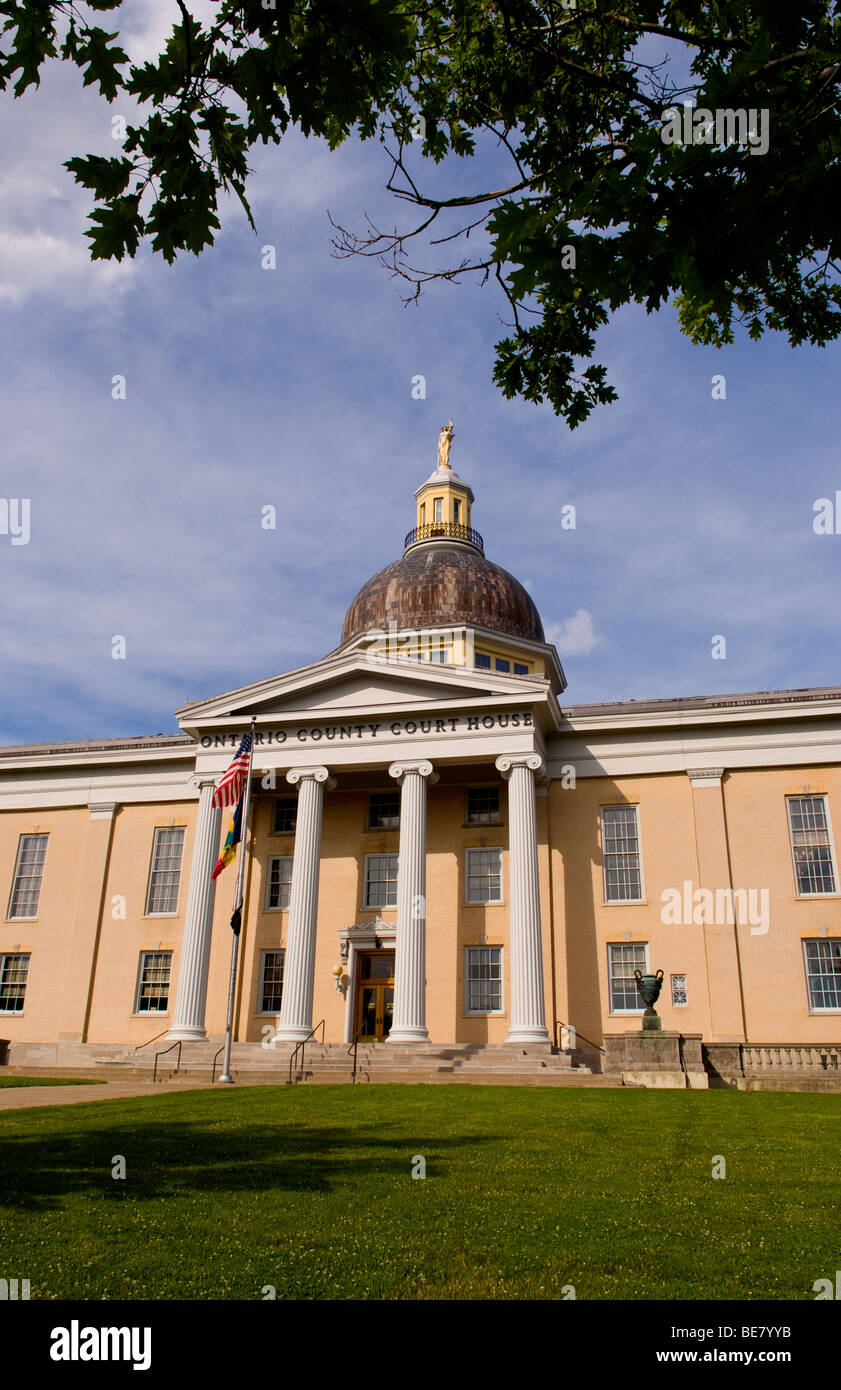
point(278, 881)
point(153, 976)
point(621, 854)
point(165, 872)
point(484, 875)
point(483, 979)
point(285, 815)
point(822, 959)
point(384, 811)
point(811, 845)
point(680, 997)
point(483, 806)
point(271, 981)
point(623, 958)
point(29, 873)
point(381, 880)
point(14, 969)
point(439, 509)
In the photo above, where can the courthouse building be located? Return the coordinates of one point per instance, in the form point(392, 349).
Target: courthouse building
point(440, 847)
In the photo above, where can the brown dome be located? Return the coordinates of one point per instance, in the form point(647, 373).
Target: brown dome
point(438, 586)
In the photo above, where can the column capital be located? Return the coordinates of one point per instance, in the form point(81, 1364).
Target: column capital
point(506, 762)
point(316, 774)
point(199, 780)
point(705, 776)
point(103, 810)
point(423, 768)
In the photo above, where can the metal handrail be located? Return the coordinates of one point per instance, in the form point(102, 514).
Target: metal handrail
point(163, 1054)
point(215, 1060)
point(302, 1044)
point(354, 1048)
point(141, 1046)
point(559, 1023)
point(450, 530)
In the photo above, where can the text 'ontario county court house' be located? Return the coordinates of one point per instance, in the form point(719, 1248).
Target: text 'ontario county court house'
point(438, 849)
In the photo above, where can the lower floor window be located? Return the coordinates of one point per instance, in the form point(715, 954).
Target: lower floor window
point(13, 972)
point(271, 981)
point(153, 982)
point(823, 972)
point(680, 996)
point(484, 979)
point(622, 961)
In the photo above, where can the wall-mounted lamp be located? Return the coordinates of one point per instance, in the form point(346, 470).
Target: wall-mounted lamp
point(338, 972)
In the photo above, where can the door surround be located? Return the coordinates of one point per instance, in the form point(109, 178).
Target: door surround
point(363, 936)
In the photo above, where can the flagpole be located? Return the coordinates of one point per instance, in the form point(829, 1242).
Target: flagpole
point(226, 1079)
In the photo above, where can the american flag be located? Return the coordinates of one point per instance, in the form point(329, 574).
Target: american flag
point(230, 788)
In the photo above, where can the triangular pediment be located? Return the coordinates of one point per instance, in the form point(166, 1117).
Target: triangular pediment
point(353, 684)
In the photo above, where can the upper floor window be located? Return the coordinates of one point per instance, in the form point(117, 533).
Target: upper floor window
point(285, 815)
point(482, 661)
point(484, 875)
point(520, 668)
point(423, 514)
point(622, 961)
point(29, 871)
point(483, 806)
point(811, 845)
point(165, 873)
point(279, 881)
point(381, 880)
point(621, 854)
point(439, 509)
point(152, 996)
point(384, 811)
point(502, 664)
point(14, 969)
point(457, 512)
point(823, 973)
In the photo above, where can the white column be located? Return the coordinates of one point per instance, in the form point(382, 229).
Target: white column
point(191, 996)
point(299, 962)
point(409, 1022)
point(528, 1010)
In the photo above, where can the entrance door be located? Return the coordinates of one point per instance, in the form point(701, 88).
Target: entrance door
point(374, 995)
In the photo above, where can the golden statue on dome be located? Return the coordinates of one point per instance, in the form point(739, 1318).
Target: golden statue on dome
point(445, 439)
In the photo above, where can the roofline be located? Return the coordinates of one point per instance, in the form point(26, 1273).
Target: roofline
point(152, 743)
point(699, 703)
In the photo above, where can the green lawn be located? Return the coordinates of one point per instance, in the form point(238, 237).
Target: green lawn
point(6, 1081)
point(527, 1191)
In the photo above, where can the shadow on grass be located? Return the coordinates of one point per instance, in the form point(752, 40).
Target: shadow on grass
point(180, 1157)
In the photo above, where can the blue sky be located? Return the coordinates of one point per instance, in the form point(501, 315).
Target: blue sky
point(292, 387)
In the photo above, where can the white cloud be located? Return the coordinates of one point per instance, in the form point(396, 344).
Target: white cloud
point(576, 636)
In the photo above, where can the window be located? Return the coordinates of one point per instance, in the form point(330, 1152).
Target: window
point(483, 661)
point(381, 880)
point(520, 669)
point(285, 815)
point(423, 514)
point(622, 961)
point(484, 875)
point(278, 881)
point(483, 980)
point(457, 512)
point(811, 845)
point(483, 806)
point(680, 998)
point(165, 873)
point(439, 509)
point(823, 974)
point(153, 982)
point(271, 981)
point(13, 972)
point(502, 665)
point(440, 655)
point(384, 811)
point(29, 871)
point(621, 854)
